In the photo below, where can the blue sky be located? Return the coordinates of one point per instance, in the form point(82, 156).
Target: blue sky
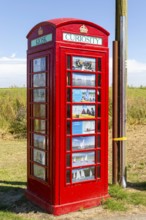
point(18, 17)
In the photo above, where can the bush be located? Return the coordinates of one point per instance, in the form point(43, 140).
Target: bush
point(17, 124)
point(13, 111)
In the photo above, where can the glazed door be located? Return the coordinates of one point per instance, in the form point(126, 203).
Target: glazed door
point(84, 126)
point(39, 123)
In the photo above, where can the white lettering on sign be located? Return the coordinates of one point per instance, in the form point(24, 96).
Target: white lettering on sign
point(82, 39)
point(41, 40)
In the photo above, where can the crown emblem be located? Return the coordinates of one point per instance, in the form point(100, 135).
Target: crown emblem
point(83, 29)
point(40, 31)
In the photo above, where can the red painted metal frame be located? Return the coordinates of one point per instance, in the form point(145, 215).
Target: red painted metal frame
point(54, 195)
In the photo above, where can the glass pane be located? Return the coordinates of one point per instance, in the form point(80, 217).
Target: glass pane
point(39, 141)
point(68, 176)
point(82, 159)
point(83, 127)
point(39, 156)
point(99, 95)
point(98, 156)
point(68, 111)
point(80, 143)
point(39, 172)
point(98, 172)
point(68, 160)
point(99, 80)
point(39, 110)
point(83, 79)
point(99, 64)
point(98, 141)
point(39, 126)
point(39, 80)
point(83, 95)
point(83, 111)
point(68, 127)
point(98, 125)
point(68, 95)
point(68, 79)
point(68, 62)
point(39, 95)
point(68, 144)
point(99, 111)
point(39, 64)
point(84, 63)
point(80, 175)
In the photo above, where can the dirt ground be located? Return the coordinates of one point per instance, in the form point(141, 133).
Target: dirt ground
point(135, 154)
point(136, 164)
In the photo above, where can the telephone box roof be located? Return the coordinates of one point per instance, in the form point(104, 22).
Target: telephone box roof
point(58, 22)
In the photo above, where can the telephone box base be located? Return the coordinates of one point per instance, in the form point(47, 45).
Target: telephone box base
point(65, 208)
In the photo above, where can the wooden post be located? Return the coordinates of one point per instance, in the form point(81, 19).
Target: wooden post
point(119, 158)
point(115, 114)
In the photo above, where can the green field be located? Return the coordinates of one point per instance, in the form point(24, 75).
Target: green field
point(13, 109)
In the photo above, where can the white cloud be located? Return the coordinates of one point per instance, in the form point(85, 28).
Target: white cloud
point(13, 55)
point(12, 71)
point(136, 72)
point(135, 66)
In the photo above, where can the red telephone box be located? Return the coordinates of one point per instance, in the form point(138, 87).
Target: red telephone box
point(67, 100)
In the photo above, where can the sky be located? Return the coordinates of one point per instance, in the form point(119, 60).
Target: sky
point(17, 17)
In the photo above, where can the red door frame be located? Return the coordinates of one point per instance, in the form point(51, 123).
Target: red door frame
point(89, 189)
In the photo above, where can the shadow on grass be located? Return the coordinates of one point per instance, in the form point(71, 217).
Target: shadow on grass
point(13, 199)
point(13, 183)
point(139, 186)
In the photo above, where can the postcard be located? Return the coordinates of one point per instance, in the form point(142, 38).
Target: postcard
point(39, 110)
point(39, 172)
point(83, 79)
point(83, 127)
point(82, 159)
point(39, 126)
point(83, 111)
point(84, 174)
point(39, 156)
point(39, 141)
point(83, 95)
point(39, 64)
point(84, 63)
point(39, 80)
point(81, 143)
point(39, 95)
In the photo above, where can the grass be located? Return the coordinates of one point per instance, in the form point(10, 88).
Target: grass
point(121, 198)
point(12, 176)
point(13, 161)
point(14, 205)
point(6, 215)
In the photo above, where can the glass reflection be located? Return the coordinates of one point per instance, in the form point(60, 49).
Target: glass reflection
point(39, 95)
point(39, 80)
point(39, 156)
point(39, 172)
point(39, 64)
point(39, 141)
